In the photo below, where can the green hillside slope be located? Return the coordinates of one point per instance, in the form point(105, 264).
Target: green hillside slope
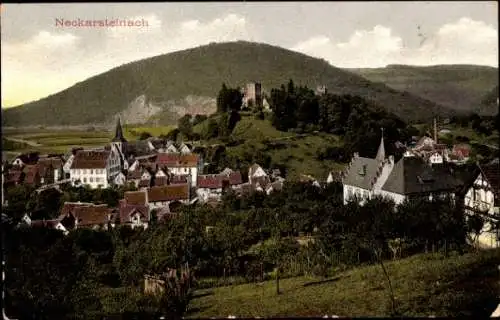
point(423, 285)
point(200, 72)
point(456, 86)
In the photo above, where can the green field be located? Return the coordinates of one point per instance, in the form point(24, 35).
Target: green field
point(62, 141)
point(296, 151)
point(423, 285)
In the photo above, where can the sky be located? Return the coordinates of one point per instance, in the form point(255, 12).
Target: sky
point(44, 50)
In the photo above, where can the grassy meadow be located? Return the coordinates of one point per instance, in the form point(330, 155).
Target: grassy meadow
point(423, 285)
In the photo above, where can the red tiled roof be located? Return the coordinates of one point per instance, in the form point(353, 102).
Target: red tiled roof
point(216, 181)
point(235, 178)
point(126, 210)
point(462, 149)
point(45, 164)
point(135, 197)
point(210, 181)
point(92, 215)
point(168, 193)
point(179, 178)
point(68, 207)
point(176, 160)
point(95, 159)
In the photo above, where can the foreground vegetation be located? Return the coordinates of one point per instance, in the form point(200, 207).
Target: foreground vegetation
point(249, 240)
point(423, 285)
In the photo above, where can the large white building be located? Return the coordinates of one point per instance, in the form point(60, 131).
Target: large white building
point(410, 177)
point(95, 168)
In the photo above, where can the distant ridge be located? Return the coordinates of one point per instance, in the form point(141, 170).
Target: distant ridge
point(460, 87)
point(188, 81)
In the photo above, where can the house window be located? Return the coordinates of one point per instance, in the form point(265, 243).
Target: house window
point(349, 192)
point(91, 171)
point(84, 180)
point(91, 179)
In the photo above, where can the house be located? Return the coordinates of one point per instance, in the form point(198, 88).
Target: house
point(181, 164)
point(334, 177)
point(184, 149)
point(435, 158)
point(170, 148)
point(275, 186)
point(211, 186)
point(51, 224)
point(96, 168)
point(76, 215)
point(482, 198)
point(364, 177)
point(146, 179)
point(120, 179)
point(412, 178)
point(257, 177)
point(133, 165)
point(460, 153)
point(160, 178)
point(50, 169)
point(32, 175)
point(26, 159)
point(134, 209)
point(163, 196)
point(305, 178)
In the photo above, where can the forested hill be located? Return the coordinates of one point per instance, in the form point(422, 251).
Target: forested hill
point(461, 87)
point(165, 86)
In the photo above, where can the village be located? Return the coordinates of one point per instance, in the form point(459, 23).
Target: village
point(237, 160)
point(168, 174)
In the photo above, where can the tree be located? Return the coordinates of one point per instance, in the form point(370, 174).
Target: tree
point(229, 99)
point(171, 135)
point(199, 118)
point(212, 129)
point(185, 125)
point(145, 135)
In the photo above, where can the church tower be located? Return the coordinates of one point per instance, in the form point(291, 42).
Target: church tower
point(119, 140)
point(381, 149)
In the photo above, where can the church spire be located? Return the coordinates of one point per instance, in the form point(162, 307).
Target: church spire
point(381, 149)
point(119, 132)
